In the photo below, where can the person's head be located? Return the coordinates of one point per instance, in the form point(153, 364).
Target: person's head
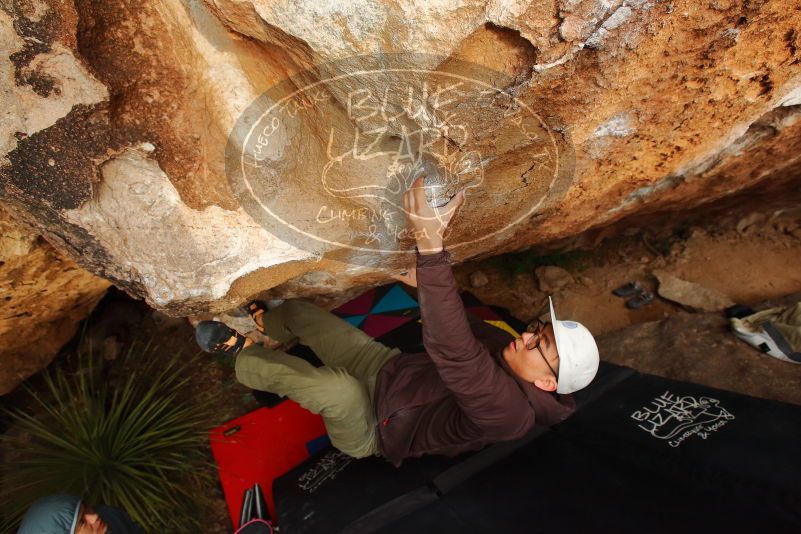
point(559, 356)
point(61, 514)
point(219, 338)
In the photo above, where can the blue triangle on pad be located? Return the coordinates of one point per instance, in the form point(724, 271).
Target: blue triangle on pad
point(395, 299)
point(355, 320)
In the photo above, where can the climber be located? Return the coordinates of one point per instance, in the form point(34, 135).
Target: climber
point(66, 514)
point(459, 395)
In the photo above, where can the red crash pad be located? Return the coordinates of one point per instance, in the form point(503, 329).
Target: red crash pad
point(261, 446)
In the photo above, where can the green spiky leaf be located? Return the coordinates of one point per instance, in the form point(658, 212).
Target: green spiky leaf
point(134, 436)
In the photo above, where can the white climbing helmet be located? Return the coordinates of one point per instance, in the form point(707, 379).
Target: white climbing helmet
point(578, 354)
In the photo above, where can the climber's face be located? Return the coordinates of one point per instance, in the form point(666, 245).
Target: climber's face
point(533, 356)
point(89, 522)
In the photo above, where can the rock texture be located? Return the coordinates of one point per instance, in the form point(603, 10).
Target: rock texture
point(478, 279)
point(551, 278)
point(117, 116)
point(689, 294)
point(44, 298)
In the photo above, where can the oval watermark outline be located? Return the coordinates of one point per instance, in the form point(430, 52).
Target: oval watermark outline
point(555, 176)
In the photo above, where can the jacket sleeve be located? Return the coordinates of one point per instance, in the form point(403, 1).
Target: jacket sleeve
point(487, 395)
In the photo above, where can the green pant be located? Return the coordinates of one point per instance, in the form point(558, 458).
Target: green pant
point(341, 391)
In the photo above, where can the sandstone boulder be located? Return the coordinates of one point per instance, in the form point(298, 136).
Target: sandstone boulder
point(197, 154)
point(44, 298)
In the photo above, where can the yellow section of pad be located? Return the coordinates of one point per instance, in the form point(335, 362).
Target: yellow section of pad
point(503, 325)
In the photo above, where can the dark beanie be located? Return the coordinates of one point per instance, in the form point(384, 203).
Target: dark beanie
point(210, 334)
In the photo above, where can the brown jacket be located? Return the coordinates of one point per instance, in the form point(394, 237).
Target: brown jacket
point(461, 394)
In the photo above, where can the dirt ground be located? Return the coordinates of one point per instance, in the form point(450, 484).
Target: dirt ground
point(700, 348)
point(756, 264)
point(753, 261)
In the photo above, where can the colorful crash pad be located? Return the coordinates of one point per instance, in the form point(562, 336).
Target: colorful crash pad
point(380, 310)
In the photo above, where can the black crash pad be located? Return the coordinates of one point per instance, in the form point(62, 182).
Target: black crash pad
point(642, 452)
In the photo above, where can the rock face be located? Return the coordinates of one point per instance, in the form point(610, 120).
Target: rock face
point(478, 279)
point(689, 294)
point(551, 278)
point(44, 297)
point(197, 153)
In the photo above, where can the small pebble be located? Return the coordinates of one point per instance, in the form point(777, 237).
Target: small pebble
point(478, 279)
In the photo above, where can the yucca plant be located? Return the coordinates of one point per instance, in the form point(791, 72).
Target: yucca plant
point(135, 437)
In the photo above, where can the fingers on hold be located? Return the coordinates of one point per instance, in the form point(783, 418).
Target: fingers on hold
point(455, 202)
point(457, 199)
point(420, 196)
point(408, 202)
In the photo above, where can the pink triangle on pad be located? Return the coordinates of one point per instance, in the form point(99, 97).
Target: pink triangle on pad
point(357, 306)
point(378, 325)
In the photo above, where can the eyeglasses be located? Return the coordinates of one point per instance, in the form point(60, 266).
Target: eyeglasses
point(537, 329)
